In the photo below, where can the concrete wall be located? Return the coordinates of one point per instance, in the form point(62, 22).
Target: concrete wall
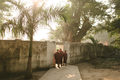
point(51, 48)
point(85, 51)
point(14, 55)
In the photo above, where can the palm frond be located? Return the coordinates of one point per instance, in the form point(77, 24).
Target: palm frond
point(93, 40)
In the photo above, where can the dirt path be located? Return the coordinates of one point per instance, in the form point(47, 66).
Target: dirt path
point(88, 72)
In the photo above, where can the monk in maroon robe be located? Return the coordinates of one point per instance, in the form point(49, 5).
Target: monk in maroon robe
point(61, 52)
point(58, 59)
point(65, 58)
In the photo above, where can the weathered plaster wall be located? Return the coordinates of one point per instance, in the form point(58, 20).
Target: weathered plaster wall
point(14, 55)
point(79, 51)
point(51, 48)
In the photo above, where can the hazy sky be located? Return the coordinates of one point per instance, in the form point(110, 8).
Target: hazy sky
point(103, 1)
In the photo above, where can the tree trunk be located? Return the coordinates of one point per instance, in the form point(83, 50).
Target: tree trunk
point(29, 64)
point(82, 32)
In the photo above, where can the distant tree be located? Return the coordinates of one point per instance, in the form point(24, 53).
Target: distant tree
point(116, 7)
point(113, 25)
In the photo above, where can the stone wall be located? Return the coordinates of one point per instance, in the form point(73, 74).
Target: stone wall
point(14, 55)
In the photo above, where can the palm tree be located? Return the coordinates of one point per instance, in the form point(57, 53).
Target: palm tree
point(95, 43)
point(26, 24)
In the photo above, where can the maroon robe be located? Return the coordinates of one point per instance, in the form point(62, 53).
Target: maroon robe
point(65, 57)
point(58, 58)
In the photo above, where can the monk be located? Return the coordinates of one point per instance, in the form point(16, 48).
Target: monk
point(58, 59)
point(65, 58)
point(61, 52)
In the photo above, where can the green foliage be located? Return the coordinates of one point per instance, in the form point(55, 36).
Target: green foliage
point(4, 7)
point(93, 40)
point(117, 6)
point(116, 42)
point(113, 25)
point(116, 24)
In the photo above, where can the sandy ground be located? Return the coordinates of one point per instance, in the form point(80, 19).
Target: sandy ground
point(88, 72)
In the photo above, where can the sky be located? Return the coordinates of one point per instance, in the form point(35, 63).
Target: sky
point(42, 33)
point(103, 1)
